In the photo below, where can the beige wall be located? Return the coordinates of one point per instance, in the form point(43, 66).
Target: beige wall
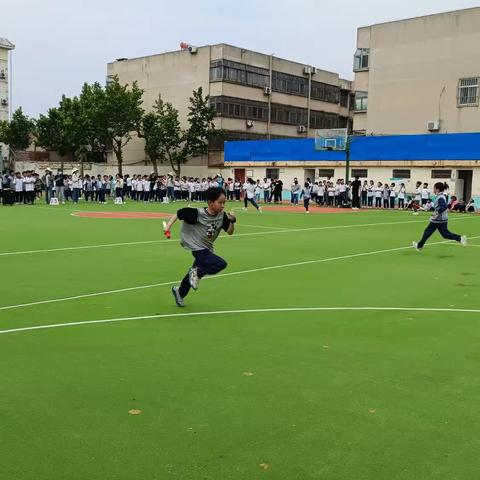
point(411, 62)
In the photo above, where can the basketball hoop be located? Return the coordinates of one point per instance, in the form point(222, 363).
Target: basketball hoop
point(331, 139)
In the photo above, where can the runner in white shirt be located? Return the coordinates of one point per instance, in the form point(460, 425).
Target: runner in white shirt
point(249, 190)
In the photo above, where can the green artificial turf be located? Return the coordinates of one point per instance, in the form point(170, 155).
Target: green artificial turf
point(332, 394)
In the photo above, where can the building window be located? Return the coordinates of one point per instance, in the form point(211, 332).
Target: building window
point(272, 173)
point(360, 172)
point(344, 98)
point(468, 92)
point(326, 172)
point(441, 173)
point(360, 59)
point(361, 101)
point(400, 174)
point(288, 115)
point(234, 72)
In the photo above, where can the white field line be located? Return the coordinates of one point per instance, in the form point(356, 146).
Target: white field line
point(242, 272)
point(255, 310)
point(143, 242)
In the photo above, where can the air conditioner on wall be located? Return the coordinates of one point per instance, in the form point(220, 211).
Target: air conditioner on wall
point(433, 126)
point(309, 70)
point(4, 103)
point(250, 123)
point(302, 129)
point(267, 90)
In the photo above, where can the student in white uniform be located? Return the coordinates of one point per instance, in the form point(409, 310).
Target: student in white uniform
point(401, 196)
point(425, 194)
point(249, 192)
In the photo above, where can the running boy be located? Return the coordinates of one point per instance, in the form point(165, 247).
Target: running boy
point(439, 220)
point(200, 228)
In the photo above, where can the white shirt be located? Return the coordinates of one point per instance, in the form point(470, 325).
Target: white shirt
point(425, 193)
point(18, 184)
point(29, 183)
point(249, 190)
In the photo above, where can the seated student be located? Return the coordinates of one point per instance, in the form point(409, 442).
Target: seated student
point(412, 204)
point(428, 207)
point(470, 208)
point(453, 203)
point(460, 207)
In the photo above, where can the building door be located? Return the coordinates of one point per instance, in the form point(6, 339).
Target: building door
point(240, 174)
point(309, 173)
point(464, 184)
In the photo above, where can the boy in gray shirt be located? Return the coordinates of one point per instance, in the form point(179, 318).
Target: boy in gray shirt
point(200, 228)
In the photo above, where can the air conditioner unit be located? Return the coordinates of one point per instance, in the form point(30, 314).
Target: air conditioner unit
point(307, 70)
point(302, 129)
point(192, 49)
point(267, 90)
point(433, 126)
point(4, 103)
point(250, 123)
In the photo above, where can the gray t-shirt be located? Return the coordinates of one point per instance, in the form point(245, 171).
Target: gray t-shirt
point(200, 229)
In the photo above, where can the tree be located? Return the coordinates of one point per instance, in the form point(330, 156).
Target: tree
point(166, 141)
point(17, 133)
point(120, 114)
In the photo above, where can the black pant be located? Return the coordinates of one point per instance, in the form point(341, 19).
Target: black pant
point(207, 263)
point(364, 199)
point(401, 203)
point(355, 199)
point(442, 229)
point(378, 202)
point(306, 203)
point(392, 202)
point(369, 201)
point(7, 197)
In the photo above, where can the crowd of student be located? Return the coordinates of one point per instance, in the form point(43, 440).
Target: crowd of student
point(26, 187)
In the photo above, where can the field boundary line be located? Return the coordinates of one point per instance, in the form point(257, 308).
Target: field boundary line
point(241, 272)
point(244, 311)
point(176, 240)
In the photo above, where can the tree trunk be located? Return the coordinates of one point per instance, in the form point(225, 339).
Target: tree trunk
point(119, 155)
point(155, 166)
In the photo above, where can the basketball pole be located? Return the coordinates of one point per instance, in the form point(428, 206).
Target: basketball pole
point(347, 159)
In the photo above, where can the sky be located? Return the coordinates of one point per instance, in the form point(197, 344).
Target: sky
point(62, 44)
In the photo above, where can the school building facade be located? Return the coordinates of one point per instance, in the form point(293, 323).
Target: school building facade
point(418, 75)
point(453, 158)
point(256, 96)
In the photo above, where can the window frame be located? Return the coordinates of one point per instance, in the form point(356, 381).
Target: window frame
point(461, 88)
point(363, 99)
point(446, 174)
point(361, 57)
point(397, 170)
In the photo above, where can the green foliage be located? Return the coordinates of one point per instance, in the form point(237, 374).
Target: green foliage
point(18, 132)
point(166, 141)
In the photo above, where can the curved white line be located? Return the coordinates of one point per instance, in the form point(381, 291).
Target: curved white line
point(221, 275)
point(143, 242)
point(253, 310)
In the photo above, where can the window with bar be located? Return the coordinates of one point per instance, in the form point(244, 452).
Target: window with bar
point(441, 173)
point(467, 92)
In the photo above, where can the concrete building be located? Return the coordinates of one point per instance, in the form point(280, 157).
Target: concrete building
point(256, 96)
point(5, 96)
point(419, 75)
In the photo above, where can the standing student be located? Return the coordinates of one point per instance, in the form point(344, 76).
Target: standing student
point(386, 196)
point(237, 188)
point(266, 190)
point(356, 186)
point(364, 194)
point(60, 186)
point(306, 193)
point(425, 194)
point(393, 195)
point(18, 182)
point(401, 196)
point(294, 192)
point(119, 186)
point(439, 220)
point(48, 179)
point(200, 229)
point(249, 194)
point(370, 194)
point(378, 195)
point(258, 191)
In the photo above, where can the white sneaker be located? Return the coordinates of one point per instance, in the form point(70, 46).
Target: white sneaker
point(245, 208)
point(415, 246)
point(464, 240)
point(178, 298)
point(193, 277)
point(306, 211)
point(260, 210)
